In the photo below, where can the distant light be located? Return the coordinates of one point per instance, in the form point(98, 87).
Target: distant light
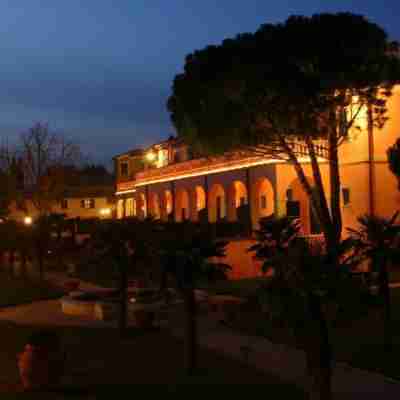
point(150, 156)
point(105, 212)
point(28, 220)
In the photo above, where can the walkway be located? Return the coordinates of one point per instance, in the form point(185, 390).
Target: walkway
point(279, 360)
point(289, 364)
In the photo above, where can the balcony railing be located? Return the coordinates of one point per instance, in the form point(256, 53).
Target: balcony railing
point(198, 167)
point(125, 185)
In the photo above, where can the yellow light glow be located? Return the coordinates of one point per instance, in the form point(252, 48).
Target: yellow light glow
point(217, 169)
point(105, 212)
point(150, 156)
point(28, 220)
point(125, 191)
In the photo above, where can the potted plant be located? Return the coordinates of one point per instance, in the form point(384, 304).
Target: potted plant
point(41, 363)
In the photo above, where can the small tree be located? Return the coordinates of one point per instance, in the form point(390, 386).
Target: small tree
point(47, 159)
point(41, 241)
point(187, 254)
point(393, 154)
point(10, 179)
point(306, 279)
point(377, 241)
point(9, 243)
point(126, 247)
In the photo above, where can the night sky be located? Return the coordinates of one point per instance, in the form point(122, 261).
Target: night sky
point(101, 70)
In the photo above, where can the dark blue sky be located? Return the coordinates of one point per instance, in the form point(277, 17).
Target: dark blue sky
point(101, 70)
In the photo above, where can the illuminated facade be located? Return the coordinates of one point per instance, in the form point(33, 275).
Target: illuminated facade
point(84, 203)
point(165, 181)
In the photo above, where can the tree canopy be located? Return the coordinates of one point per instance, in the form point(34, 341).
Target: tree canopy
point(48, 160)
point(289, 90)
point(284, 79)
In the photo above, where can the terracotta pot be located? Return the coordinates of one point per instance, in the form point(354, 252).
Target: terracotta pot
point(40, 367)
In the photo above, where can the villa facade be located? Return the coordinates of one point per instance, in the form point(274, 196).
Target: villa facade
point(82, 202)
point(167, 182)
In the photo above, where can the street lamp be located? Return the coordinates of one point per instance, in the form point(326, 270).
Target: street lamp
point(151, 156)
point(28, 220)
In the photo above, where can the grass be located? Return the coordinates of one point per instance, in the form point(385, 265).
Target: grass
point(14, 291)
point(100, 364)
point(240, 287)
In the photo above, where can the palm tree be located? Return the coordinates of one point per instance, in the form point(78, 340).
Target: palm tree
point(393, 155)
point(186, 253)
point(376, 240)
point(128, 247)
point(305, 279)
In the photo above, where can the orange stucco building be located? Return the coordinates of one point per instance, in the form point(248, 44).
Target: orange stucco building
point(166, 181)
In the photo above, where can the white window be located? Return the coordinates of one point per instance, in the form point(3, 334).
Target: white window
point(88, 203)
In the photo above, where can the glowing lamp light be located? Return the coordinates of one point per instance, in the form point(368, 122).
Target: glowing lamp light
point(28, 220)
point(150, 156)
point(105, 212)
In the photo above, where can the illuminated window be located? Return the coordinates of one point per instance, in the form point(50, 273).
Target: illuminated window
point(130, 208)
point(162, 159)
point(88, 203)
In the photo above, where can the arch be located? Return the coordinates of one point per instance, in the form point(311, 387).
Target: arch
point(167, 206)
point(263, 202)
point(142, 206)
point(120, 208)
point(182, 209)
point(237, 197)
point(216, 203)
point(297, 201)
point(130, 207)
point(198, 201)
point(154, 205)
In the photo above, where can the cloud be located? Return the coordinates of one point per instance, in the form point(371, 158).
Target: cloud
point(113, 101)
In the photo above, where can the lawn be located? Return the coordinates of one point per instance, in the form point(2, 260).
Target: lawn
point(100, 364)
point(14, 291)
point(240, 287)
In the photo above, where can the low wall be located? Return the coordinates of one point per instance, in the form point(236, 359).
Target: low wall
point(240, 260)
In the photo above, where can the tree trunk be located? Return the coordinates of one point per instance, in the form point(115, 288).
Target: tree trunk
point(316, 202)
point(320, 203)
point(384, 291)
point(122, 320)
point(40, 259)
point(24, 260)
point(318, 353)
point(11, 263)
point(335, 186)
point(190, 331)
point(41, 265)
